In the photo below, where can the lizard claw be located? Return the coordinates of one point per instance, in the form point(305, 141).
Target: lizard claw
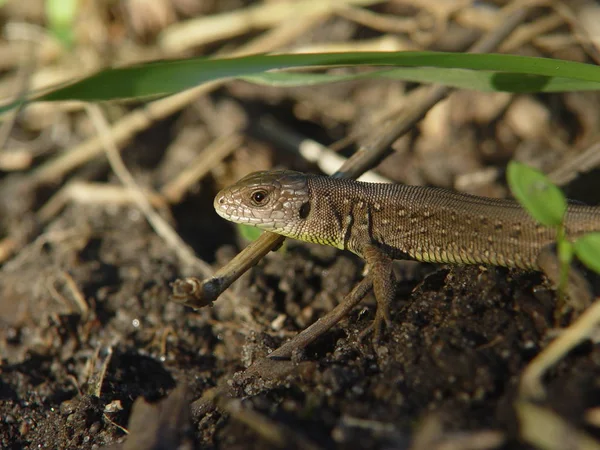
point(382, 320)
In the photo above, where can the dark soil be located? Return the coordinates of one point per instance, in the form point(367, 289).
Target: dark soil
point(461, 339)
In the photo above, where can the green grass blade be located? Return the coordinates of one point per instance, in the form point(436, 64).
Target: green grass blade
point(163, 78)
point(484, 81)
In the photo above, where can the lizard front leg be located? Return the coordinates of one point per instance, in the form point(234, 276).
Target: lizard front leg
point(379, 266)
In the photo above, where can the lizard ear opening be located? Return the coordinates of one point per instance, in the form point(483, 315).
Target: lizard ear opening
point(304, 210)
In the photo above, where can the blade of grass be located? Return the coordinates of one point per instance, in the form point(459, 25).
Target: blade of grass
point(163, 78)
point(457, 78)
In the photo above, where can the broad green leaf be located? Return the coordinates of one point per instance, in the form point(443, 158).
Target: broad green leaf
point(536, 193)
point(167, 77)
point(587, 249)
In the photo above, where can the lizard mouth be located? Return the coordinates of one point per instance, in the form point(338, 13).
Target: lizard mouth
point(221, 206)
point(228, 209)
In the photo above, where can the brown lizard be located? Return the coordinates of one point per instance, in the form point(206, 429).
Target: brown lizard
point(381, 222)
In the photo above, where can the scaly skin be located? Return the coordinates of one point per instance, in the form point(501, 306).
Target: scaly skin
point(380, 222)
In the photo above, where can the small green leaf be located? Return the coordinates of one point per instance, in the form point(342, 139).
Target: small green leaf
point(60, 15)
point(536, 193)
point(587, 249)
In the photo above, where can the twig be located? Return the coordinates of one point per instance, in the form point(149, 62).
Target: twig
point(569, 169)
point(545, 429)
point(531, 381)
point(431, 435)
point(197, 294)
point(204, 30)
point(92, 193)
point(160, 226)
point(206, 160)
point(530, 31)
point(328, 160)
point(280, 435)
point(22, 87)
point(419, 102)
point(385, 23)
point(324, 323)
point(98, 365)
point(581, 17)
point(277, 365)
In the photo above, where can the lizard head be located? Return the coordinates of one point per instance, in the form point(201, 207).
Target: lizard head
point(276, 201)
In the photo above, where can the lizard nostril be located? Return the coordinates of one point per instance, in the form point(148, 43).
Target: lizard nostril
point(221, 200)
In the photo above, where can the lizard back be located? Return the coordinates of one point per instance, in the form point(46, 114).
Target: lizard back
point(432, 224)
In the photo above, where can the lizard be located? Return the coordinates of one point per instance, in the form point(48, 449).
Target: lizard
point(381, 222)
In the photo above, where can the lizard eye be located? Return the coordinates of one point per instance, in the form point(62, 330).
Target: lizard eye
point(258, 197)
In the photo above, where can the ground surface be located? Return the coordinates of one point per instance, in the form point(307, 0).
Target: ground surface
point(87, 327)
